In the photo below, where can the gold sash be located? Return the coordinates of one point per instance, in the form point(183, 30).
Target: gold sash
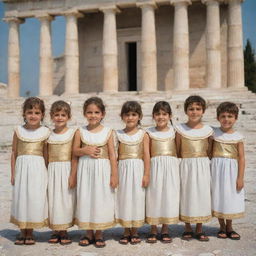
point(162, 147)
point(60, 152)
point(228, 150)
point(103, 150)
point(193, 148)
point(30, 148)
point(129, 151)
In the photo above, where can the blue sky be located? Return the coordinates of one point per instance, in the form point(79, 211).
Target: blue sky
point(29, 40)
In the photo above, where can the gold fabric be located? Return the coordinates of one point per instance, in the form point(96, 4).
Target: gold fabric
point(94, 226)
point(162, 220)
point(60, 152)
point(130, 223)
point(228, 150)
point(28, 225)
point(30, 148)
point(193, 220)
point(61, 226)
point(229, 216)
point(103, 150)
point(163, 147)
point(193, 148)
point(130, 151)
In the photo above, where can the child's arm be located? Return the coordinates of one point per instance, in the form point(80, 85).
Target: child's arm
point(210, 144)
point(241, 167)
point(146, 159)
point(178, 144)
point(92, 151)
point(13, 157)
point(45, 154)
point(113, 162)
point(73, 174)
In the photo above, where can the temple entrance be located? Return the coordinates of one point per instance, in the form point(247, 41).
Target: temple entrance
point(131, 51)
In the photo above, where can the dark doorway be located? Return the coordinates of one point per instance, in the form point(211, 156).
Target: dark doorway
point(132, 66)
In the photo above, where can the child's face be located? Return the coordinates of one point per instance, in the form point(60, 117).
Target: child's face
point(60, 119)
point(93, 114)
point(227, 120)
point(161, 118)
point(33, 116)
point(194, 113)
point(131, 119)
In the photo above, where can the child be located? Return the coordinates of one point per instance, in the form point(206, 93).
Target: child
point(162, 197)
point(61, 173)
point(193, 146)
point(97, 174)
point(134, 168)
point(227, 171)
point(29, 173)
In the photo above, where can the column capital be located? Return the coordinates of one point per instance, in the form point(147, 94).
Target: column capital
point(74, 13)
point(180, 2)
point(147, 3)
point(110, 8)
point(206, 2)
point(44, 16)
point(14, 19)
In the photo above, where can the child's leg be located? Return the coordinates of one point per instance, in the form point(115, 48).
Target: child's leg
point(64, 238)
point(135, 239)
point(222, 231)
point(87, 239)
point(125, 239)
point(29, 237)
point(199, 233)
point(20, 239)
point(54, 239)
point(99, 242)
point(230, 232)
point(152, 238)
point(188, 234)
point(165, 237)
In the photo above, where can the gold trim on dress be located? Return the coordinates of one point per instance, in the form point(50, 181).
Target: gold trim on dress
point(227, 150)
point(29, 225)
point(228, 141)
point(61, 226)
point(199, 219)
point(163, 147)
point(32, 140)
point(130, 223)
point(228, 216)
point(60, 152)
point(128, 151)
point(132, 142)
point(70, 138)
point(162, 220)
point(35, 148)
point(94, 226)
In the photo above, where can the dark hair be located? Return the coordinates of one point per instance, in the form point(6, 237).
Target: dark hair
point(60, 105)
point(228, 107)
point(131, 106)
point(33, 102)
point(162, 105)
point(96, 101)
point(194, 99)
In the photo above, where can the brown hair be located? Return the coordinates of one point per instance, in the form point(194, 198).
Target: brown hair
point(228, 107)
point(162, 105)
point(33, 102)
point(60, 105)
point(96, 101)
point(131, 106)
point(194, 99)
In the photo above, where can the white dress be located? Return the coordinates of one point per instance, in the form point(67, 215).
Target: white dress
point(61, 198)
point(95, 197)
point(195, 193)
point(29, 208)
point(163, 192)
point(130, 196)
point(227, 202)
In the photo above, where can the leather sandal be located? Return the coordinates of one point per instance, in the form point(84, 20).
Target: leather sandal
point(152, 238)
point(165, 238)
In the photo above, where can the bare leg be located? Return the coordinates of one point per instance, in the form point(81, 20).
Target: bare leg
point(99, 242)
point(152, 238)
point(21, 237)
point(230, 232)
point(126, 236)
point(199, 233)
point(29, 237)
point(222, 232)
point(165, 237)
point(134, 236)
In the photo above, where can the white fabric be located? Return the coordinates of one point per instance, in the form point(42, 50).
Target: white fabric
point(130, 196)
point(153, 132)
point(61, 198)
point(95, 197)
point(226, 199)
point(29, 197)
point(186, 131)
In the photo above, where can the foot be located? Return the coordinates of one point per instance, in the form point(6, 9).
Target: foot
point(85, 241)
point(187, 235)
point(222, 234)
point(201, 237)
point(135, 239)
point(165, 238)
point(54, 239)
point(125, 239)
point(29, 240)
point(152, 238)
point(64, 238)
point(20, 240)
point(99, 243)
point(233, 235)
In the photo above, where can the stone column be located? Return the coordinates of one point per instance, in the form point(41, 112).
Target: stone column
point(13, 89)
point(181, 45)
point(46, 63)
point(235, 45)
point(213, 66)
point(109, 50)
point(71, 54)
point(148, 47)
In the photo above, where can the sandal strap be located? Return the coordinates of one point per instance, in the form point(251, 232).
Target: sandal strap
point(165, 235)
point(152, 235)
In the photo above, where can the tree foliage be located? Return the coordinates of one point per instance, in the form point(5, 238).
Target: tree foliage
point(250, 67)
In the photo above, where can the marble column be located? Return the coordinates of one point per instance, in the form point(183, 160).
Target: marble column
point(71, 54)
point(213, 53)
point(235, 45)
point(46, 62)
point(181, 45)
point(148, 47)
point(109, 50)
point(13, 89)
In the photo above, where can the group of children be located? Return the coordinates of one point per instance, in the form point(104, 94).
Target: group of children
point(161, 175)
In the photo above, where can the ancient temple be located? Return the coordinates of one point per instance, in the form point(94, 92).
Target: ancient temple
point(128, 45)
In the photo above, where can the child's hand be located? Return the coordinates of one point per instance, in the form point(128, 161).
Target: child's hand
point(92, 151)
point(71, 182)
point(145, 181)
point(239, 184)
point(113, 181)
point(12, 180)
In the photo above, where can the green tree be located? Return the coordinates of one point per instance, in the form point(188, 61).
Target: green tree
point(250, 67)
